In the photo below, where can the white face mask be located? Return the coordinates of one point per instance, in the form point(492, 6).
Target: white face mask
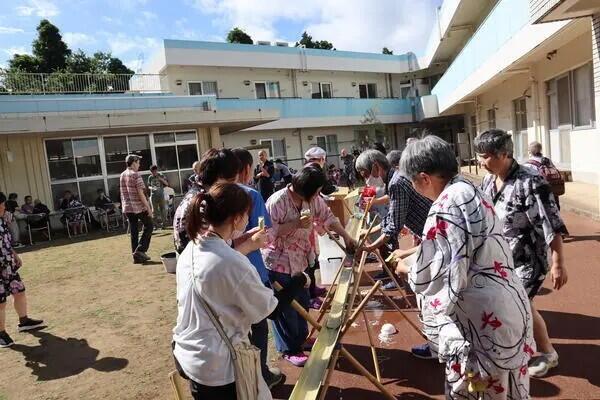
point(236, 229)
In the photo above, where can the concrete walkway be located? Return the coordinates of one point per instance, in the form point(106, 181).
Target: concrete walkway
point(580, 198)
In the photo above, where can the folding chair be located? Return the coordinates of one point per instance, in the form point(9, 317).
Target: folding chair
point(35, 220)
point(78, 213)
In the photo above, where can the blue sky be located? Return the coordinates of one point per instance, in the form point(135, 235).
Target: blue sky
point(133, 29)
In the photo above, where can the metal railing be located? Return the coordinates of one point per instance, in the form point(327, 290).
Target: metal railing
point(58, 82)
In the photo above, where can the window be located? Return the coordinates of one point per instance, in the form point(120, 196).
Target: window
point(73, 164)
point(321, 90)
point(328, 143)
point(583, 93)
point(520, 114)
point(405, 92)
point(174, 153)
point(491, 114)
point(520, 137)
point(571, 99)
point(367, 90)
point(197, 88)
point(267, 90)
point(84, 165)
point(277, 148)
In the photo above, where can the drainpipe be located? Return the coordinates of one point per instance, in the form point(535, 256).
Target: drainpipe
point(391, 83)
point(294, 83)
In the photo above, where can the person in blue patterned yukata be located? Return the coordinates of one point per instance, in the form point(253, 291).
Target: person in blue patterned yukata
point(531, 223)
point(474, 309)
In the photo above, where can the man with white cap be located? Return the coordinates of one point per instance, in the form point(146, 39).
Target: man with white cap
point(316, 155)
point(136, 207)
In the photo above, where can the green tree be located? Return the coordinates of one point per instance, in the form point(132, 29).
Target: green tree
point(387, 51)
point(79, 63)
point(23, 63)
point(105, 63)
point(307, 41)
point(236, 35)
point(49, 48)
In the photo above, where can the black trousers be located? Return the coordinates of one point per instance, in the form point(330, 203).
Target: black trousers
point(259, 337)
point(140, 244)
point(203, 392)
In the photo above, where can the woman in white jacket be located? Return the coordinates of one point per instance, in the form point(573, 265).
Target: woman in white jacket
point(227, 281)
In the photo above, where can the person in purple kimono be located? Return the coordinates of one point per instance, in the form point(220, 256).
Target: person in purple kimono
point(474, 309)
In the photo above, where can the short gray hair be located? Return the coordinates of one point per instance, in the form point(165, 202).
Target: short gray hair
point(394, 157)
point(431, 155)
point(494, 141)
point(535, 149)
point(368, 158)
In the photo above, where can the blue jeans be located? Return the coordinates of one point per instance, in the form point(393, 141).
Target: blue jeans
point(289, 328)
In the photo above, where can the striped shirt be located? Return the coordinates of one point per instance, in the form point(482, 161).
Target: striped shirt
point(407, 207)
point(129, 183)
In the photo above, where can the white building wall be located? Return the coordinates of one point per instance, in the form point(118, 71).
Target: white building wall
point(584, 167)
point(230, 81)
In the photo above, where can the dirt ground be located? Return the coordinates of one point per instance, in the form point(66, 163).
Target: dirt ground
point(110, 321)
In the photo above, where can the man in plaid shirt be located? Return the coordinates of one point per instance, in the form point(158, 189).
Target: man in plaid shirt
point(135, 206)
point(407, 207)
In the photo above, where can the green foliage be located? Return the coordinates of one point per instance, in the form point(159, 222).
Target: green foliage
point(24, 63)
point(236, 35)
point(49, 48)
point(387, 51)
point(307, 41)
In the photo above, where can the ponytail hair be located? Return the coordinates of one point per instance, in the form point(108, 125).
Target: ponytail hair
point(218, 164)
point(215, 206)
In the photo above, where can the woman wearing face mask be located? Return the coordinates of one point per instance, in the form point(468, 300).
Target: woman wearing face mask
point(231, 286)
point(294, 211)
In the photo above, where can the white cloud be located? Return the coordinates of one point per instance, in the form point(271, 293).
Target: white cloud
point(359, 25)
point(8, 29)
point(121, 44)
point(38, 8)
point(149, 15)
point(11, 51)
point(183, 31)
point(77, 39)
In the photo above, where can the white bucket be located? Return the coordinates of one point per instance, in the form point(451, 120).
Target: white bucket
point(329, 267)
point(169, 260)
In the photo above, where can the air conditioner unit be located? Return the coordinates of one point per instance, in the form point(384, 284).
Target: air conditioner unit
point(263, 43)
point(282, 44)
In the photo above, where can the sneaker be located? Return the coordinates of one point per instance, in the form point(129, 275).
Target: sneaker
point(297, 359)
point(391, 285)
point(315, 303)
point(540, 365)
point(5, 340)
point(140, 257)
point(423, 352)
point(274, 379)
point(30, 324)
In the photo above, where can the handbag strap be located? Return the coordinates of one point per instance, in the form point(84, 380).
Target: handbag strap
point(210, 312)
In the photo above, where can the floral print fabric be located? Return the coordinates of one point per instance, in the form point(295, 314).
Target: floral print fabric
point(292, 253)
point(10, 281)
point(474, 308)
point(529, 218)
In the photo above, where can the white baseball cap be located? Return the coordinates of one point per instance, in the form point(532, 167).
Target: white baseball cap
point(315, 153)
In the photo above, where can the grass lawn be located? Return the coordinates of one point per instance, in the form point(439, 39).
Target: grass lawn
point(109, 323)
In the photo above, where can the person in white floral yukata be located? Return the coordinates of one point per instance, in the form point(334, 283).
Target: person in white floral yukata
point(474, 309)
point(531, 223)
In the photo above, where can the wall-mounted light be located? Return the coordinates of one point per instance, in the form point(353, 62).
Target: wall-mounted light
point(247, 83)
point(310, 137)
point(178, 82)
point(252, 142)
point(551, 54)
point(353, 84)
point(305, 83)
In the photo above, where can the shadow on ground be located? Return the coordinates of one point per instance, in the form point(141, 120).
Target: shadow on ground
point(57, 358)
point(571, 326)
point(583, 238)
